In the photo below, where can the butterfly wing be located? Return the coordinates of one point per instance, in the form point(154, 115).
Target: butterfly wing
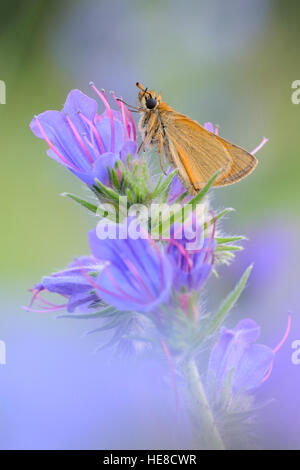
point(199, 153)
point(243, 163)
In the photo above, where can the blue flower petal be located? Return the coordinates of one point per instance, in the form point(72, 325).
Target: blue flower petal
point(137, 276)
point(253, 367)
point(99, 171)
point(234, 351)
point(129, 148)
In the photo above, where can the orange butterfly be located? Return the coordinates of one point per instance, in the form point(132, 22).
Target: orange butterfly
point(195, 151)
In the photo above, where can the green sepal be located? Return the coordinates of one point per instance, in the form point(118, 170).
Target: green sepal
point(181, 215)
point(228, 303)
point(88, 205)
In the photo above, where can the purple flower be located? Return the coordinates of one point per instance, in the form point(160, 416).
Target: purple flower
point(71, 284)
point(137, 276)
point(128, 274)
point(177, 190)
point(83, 141)
point(191, 256)
point(235, 352)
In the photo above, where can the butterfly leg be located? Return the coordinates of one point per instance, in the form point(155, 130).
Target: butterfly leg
point(160, 147)
point(141, 146)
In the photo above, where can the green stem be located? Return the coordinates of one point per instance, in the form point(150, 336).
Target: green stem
point(199, 409)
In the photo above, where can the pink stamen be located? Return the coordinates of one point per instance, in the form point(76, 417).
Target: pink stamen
point(90, 144)
point(155, 247)
point(44, 310)
point(217, 130)
point(124, 117)
point(129, 116)
point(125, 294)
point(109, 112)
point(54, 149)
point(35, 294)
point(94, 129)
point(183, 252)
point(279, 345)
point(184, 302)
point(38, 297)
point(79, 139)
point(285, 336)
point(41, 302)
point(195, 312)
point(101, 289)
point(263, 142)
point(131, 121)
point(136, 274)
point(268, 373)
point(125, 120)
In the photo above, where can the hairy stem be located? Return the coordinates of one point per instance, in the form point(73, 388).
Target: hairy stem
point(200, 413)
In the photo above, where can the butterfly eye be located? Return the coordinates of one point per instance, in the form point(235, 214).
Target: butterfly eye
point(150, 103)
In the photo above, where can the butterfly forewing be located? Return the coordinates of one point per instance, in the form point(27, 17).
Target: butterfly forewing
point(243, 163)
point(199, 153)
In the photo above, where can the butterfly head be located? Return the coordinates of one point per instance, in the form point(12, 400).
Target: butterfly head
point(148, 99)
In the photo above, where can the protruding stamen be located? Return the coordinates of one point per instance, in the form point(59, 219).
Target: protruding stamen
point(182, 251)
point(93, 127)
point(60, 156)
point(138, 277)
point(184, 302)
point(122, 107)
point(125, 120)
point(40, 301)
point(79, 139)
point(263, 142)
point(157, 250)
point(109, 112)
point(96, 286)
point(285, 336)
point(44, 310)
point(279, 345)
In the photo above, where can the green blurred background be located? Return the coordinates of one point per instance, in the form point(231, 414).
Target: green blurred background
point(230, 62)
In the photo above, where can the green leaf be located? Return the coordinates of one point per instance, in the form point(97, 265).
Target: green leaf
point(218, 217)
point(181, 197)
point(228, 303)
point(198, 198)
point(230, 239)
point(209, 326)
point(228, 248)
point(88, 205)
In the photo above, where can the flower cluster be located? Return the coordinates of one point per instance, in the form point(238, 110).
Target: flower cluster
point(135, 275)
point(83, 141)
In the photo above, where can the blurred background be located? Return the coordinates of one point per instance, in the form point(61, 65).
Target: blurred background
point(231, 63)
